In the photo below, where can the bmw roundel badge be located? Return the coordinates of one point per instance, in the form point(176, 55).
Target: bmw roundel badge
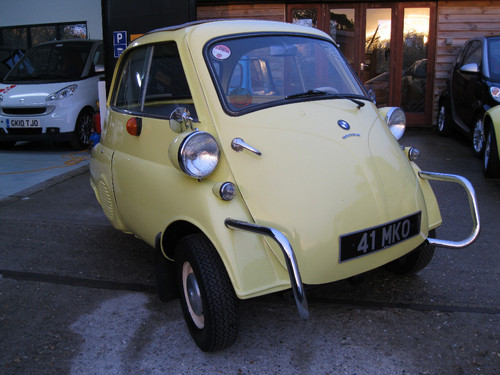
point(344, 124)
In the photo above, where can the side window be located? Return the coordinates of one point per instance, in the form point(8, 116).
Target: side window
point(166, 80)
point(98, 57)
point(152, 82)
point(127, 90)
point(473, 54)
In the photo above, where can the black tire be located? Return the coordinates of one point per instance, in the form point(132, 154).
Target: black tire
point(491, 162)
point(7, 145)
point(415, 261)
point(207, 297)
point(478, 137)
point(444, 124)
point(83, 129)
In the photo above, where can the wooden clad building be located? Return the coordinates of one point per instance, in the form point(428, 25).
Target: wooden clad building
point(403, 50)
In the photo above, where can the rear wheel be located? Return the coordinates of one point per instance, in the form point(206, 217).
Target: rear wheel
point(208, 301)
point(491, 163)
point(165, 274)
point(415, 261)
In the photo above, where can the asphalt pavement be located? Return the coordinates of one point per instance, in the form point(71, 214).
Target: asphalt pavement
point(78, 297)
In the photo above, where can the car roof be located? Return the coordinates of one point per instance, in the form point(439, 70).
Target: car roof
point(208, 29)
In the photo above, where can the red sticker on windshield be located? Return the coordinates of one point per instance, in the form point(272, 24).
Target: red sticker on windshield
point(221, 52)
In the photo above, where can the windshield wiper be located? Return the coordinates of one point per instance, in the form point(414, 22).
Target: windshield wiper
point(307, 94)
point(356, 101)
point(314, 92)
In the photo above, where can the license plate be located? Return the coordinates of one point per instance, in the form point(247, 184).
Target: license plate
point(366, 241)
point(23, 123)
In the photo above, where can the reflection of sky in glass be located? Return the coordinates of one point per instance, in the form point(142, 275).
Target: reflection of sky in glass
point(416, 20)
point(379, 21)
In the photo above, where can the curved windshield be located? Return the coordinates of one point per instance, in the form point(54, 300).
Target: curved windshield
point(253, 72)
point(51, 62)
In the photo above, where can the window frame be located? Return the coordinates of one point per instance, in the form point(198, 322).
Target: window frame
point(142, 106)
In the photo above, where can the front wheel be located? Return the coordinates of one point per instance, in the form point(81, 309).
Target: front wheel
point(415, 261)
point(208, 301)
point(491, 162)
point(83, 129)
point(478, 137)
point(444, 121)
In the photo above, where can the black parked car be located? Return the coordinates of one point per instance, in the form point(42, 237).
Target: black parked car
point(473, 88)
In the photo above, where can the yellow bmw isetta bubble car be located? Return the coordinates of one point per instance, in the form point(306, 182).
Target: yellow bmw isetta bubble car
point(251, 157)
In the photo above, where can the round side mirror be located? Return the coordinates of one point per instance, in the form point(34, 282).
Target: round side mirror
point(180, 120)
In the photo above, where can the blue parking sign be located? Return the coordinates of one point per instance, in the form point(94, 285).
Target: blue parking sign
point(119, 42)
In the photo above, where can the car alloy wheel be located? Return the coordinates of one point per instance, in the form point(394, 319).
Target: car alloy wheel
point(478, 137)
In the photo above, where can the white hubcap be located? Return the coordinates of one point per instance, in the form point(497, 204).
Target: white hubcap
point(192, 295)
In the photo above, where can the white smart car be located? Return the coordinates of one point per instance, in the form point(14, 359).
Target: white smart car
point(51, 93)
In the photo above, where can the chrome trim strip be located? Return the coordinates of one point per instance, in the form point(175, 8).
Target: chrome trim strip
point(469, 189)
point(291, 262)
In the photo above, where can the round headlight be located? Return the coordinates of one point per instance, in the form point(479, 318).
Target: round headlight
point(396, 121)
point(198, 154)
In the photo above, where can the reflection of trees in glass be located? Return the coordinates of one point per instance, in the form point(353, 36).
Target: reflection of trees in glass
point(77, 31)
point(414, 48)
point(42, 34)
point(14, 37)
point(306, 17)
point(379, 51)
point(342, 23)
point(27, 36)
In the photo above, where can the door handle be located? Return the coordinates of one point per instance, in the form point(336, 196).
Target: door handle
point(239, 144)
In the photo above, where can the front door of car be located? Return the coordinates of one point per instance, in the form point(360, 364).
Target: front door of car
point(463, 83)
point(149, 86)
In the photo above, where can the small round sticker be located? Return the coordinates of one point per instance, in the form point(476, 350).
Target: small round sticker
point(221, 52)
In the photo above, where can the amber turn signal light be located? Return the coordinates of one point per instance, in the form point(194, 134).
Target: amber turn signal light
point(134, 126)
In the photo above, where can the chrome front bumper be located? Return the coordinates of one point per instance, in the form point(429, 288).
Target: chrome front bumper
point(476, 226)
point(291, 262)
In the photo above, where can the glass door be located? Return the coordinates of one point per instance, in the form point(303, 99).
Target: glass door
point(342, 27)
point(416, 81)
point(376, 63)
point(390, 46)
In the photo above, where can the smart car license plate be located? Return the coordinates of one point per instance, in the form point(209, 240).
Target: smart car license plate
point(23, 123)
point(367, 241)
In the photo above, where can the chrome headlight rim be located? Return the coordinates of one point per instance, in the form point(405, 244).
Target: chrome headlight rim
point(198, 162)
point(396, 121)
